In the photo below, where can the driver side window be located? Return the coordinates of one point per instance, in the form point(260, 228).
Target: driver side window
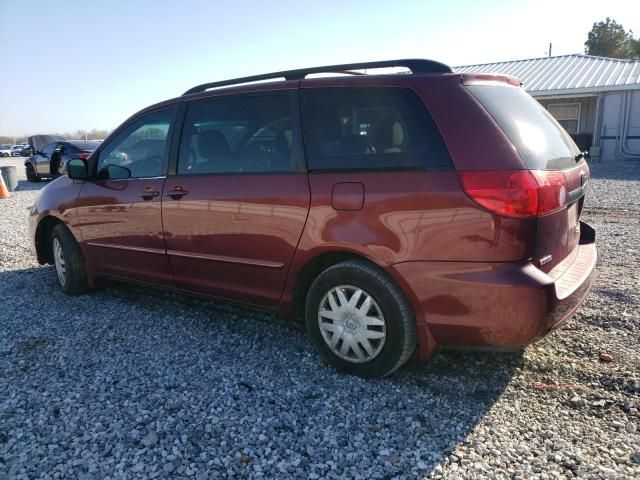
point(139, 150)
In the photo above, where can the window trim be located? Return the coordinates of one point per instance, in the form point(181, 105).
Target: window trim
point(567, 104)
point(298, 165)
point(95, 156)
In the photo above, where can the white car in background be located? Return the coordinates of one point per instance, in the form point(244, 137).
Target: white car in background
point(5, 150)
point(16, 150)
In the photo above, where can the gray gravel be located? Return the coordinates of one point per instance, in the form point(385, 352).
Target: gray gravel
point(132, 383)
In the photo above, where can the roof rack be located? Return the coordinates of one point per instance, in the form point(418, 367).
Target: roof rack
point(417, 66)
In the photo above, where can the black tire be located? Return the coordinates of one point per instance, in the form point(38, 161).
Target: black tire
point(32, 176)
point(75, 274)
point(400, 340)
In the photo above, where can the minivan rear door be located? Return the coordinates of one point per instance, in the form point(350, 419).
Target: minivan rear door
point(236, 205)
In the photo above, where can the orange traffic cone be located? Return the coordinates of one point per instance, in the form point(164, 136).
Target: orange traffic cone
point(4, 191)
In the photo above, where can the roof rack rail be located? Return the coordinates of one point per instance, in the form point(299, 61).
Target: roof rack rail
point(417, 66)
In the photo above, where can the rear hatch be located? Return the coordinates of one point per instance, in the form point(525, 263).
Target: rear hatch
point(552, 159)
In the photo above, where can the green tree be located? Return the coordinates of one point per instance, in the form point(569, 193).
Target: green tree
point(610, 39)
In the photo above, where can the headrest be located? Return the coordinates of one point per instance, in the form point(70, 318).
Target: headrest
point(389, 132)
point(212, 144)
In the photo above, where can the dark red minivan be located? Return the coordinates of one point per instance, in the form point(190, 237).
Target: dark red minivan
point(390, 210)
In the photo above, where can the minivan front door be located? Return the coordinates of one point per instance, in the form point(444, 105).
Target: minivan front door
point(234, 212)
point(120, 211)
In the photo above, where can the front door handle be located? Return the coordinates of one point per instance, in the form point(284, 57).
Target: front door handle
point(177, 192)
point(149, 193)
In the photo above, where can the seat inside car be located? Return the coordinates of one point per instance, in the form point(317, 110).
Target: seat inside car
point(389, 135)
point(213, 148)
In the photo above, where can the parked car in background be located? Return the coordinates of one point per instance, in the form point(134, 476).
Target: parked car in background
point(50, 161)
point(5, 150)
point(431, 209)
point(16, 150)
point(26, 151)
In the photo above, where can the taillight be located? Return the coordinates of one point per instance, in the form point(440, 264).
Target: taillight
point(84, 155)
point(516, 193)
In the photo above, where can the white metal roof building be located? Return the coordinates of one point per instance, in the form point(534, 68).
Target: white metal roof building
point(596, 99)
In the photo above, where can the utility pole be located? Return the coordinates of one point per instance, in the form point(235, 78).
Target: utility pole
point(550, 45)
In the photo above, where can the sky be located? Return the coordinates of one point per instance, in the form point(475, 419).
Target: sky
point(68, 65)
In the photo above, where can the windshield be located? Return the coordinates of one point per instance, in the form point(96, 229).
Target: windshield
point(540, 140)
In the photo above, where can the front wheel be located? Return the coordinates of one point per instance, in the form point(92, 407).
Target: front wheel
point(69, 262)
point(32, 176)
point(360, 320)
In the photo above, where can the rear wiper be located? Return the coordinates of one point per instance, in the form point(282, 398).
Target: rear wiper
point(580, 156)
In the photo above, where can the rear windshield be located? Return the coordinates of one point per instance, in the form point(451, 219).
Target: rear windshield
point(541, 142)
point(88, 145)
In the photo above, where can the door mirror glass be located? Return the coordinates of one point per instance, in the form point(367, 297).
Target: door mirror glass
point(77, 169)
point(112, 171)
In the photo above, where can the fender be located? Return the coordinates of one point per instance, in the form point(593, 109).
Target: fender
point(56, 200)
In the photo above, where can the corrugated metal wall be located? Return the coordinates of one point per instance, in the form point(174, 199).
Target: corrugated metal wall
point(611, 134)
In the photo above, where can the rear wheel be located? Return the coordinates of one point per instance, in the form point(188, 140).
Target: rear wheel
point(69, 262)
point(360, 320)
point(32, 176)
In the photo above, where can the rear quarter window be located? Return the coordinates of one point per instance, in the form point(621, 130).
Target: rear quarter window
point(370, 128)
point(539, 139)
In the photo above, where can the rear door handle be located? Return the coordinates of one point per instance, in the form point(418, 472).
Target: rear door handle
point(177, 192)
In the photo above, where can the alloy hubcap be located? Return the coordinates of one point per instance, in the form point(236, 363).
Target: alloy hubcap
point(352, 324)
point(58, 258)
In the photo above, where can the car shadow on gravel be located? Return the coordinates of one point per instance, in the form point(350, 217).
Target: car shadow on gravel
point(27, 186)
point(621, 170)
point(619, 296)
point(230, 369)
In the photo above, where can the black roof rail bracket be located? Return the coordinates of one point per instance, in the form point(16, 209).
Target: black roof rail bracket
point(417, 66)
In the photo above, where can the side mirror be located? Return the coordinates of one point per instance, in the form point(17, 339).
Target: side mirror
point(77, 169)
point(112, 171)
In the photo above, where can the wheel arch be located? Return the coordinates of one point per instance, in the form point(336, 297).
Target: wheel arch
point(313, 267)
point(42, 237)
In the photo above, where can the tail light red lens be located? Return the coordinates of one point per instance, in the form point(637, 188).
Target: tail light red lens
point(84, 156)
point(516, 193)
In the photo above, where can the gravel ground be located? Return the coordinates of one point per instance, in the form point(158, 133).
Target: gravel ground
point(132, 383)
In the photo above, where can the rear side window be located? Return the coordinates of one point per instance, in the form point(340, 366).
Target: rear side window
point(370, 128)
point(244, 134)
point(541, 142)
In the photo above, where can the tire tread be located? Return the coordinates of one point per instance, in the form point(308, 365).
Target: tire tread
point(76, 274)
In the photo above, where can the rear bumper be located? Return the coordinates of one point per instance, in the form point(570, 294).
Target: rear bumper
point(494, 304)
